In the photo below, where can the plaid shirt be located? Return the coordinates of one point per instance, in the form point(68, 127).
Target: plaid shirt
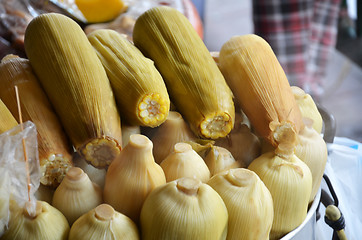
point(302, 34)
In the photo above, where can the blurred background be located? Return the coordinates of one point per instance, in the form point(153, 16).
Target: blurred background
point(342, 83)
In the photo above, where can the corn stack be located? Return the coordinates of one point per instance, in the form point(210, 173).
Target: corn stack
point(139, 89)
point(54, 148)
point(77, 85)
point(195, 84)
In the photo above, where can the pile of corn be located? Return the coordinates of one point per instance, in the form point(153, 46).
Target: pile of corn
point(185, 162)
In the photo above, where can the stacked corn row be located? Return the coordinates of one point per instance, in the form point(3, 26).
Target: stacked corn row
point(196, 190)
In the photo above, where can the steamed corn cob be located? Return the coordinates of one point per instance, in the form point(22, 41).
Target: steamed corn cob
point(195, 84)
point(77, 85)
point(139, 89)
point(53, 146)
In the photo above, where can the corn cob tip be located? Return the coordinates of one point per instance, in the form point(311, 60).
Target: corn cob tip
point(100, 152)
point(54, 169)
point(216, 126)
point(153, 109)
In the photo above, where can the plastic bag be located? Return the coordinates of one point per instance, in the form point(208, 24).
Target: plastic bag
point(344, 169)
point(13, 168)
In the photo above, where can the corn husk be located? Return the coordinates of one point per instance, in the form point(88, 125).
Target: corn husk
point(103, 222)
point(172, 131)
point(184, 209)
point(138, 87)
point(54, 148)
point(241, 142)
point(289, 181)
point(261, 87)
point(195, 84)
point(312, 150)
point(76, 195)
point(7, 120)
point(127, 131)
point(184, 162)
point(249, 203)
point(132, 176)
point(47, 223)
point(77, 86)
point(308, 107)
point(219, 159)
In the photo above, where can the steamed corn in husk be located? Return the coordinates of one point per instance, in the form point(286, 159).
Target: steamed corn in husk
point(172, 131)
point(219, 159)
point(54, 148)
point(76, 195)
point(184, 162)
point(77, 86)
point(46, 223)
point(138, 87)
point(261, 87)
point(312, 150)
point(289, 181)
point(132, 176)
point(241, 142)
point(195, 84)
point(248, 201)
point(7, 120)
point(308, 107)
point(103, 222)
point(184, 209)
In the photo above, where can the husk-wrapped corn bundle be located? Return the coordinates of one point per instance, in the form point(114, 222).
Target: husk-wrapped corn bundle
point(138, 87)
point(103, 222)
point(195, 84)
point(46, 223)
point(289, 181)
point(76, 195)
point(249, 203)
point(132, 176)
point(77, 85)
point(54, 148)
point(184, 209)
point(261, 87)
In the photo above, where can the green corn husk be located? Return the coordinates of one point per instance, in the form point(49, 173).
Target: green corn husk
point(77, 85)
point(139, 89)
point(195, 84)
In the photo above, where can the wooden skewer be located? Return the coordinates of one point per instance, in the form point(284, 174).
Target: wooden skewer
point(23, 141)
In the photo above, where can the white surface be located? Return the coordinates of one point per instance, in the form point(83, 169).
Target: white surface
point(344, 169)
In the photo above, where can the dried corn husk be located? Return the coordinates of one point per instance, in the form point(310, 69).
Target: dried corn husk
point(312, 150)
point(241, 142)
point(308, 107)
point(46, 223)
point(289, 181)
point(132, 176)
point(195, 84)
point(219, 159)
point(77, 86)
point(249, 203)
point(54, 148)
point(138, 87)
point(103, 222)
point(172, 131)
point(261, 87)
point(76, 195)
point(184, 162)
point(184, 209)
